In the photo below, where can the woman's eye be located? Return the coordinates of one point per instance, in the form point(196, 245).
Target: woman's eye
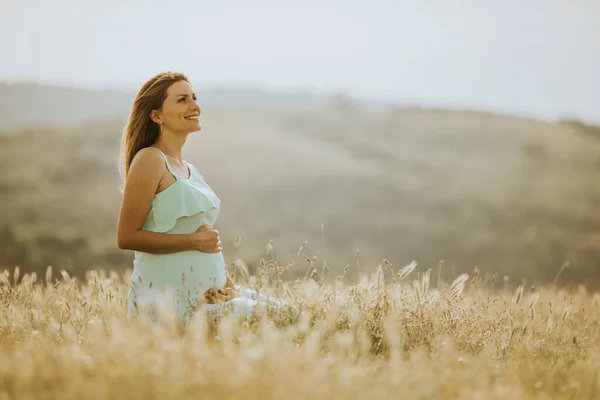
point(182, 100)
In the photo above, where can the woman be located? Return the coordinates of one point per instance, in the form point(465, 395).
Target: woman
point(168, 210)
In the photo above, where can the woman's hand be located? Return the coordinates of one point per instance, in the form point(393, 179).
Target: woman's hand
point(212, 296)
point(206, 240)
point(229, 293)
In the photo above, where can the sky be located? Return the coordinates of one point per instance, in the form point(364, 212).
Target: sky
point(537, 58)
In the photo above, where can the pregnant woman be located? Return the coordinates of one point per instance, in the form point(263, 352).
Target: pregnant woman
point(168, 210)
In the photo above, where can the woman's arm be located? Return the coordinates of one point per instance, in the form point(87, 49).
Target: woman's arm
point(142, 182)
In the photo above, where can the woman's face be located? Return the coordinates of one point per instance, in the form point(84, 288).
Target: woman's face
point(180, 112)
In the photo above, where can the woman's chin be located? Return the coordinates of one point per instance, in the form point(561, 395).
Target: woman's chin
point(197, 129)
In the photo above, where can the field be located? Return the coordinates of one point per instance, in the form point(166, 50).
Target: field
point(393, 335)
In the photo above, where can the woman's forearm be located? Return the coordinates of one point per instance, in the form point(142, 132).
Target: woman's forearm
point(157, 243)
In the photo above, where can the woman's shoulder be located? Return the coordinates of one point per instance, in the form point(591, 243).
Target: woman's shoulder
point(147, 160)
point(148, 154)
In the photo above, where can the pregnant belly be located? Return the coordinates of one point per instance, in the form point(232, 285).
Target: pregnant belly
point(195, 269)
point(189, 271)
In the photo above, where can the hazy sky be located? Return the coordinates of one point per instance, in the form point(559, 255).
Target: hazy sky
point(532, 57)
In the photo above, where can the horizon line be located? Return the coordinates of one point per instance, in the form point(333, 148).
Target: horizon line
point(330, 94)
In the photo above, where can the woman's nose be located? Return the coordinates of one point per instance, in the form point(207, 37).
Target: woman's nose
point(195, 107)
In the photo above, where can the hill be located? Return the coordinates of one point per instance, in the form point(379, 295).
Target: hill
point(25, 105)
point(507, 195)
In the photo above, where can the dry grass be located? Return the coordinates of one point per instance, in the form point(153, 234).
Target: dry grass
point(386, 337)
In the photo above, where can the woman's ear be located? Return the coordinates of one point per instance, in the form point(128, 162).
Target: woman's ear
point(155, 116)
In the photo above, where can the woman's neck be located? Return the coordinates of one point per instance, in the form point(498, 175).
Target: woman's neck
point(171, 145)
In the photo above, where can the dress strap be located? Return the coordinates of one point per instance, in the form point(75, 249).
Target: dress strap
point(192, 169)
point(171, 170)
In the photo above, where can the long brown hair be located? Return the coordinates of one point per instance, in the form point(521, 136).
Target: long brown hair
point(140, 131)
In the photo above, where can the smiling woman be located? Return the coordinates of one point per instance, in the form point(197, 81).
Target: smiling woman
point(168, 210)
